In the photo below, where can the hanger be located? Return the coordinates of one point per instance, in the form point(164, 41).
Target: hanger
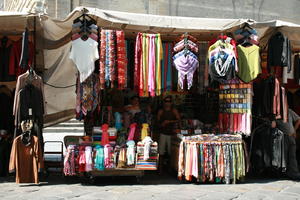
point(246, 25)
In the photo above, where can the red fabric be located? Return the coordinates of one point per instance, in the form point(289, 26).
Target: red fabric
point(14, 61)
point(132, 131)
point(137, 62)
point(105, 136)
point(102, 59)
point(81, 159)
point(121, 59)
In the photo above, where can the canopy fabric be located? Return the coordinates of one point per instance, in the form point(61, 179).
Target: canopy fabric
point(60, 74)
point(13, 23)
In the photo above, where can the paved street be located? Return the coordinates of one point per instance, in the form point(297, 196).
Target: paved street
point(152, 187)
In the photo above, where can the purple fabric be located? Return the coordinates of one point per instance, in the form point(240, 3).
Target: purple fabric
point(186, 65)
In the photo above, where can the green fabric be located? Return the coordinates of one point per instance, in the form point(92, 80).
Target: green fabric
point(248, 62)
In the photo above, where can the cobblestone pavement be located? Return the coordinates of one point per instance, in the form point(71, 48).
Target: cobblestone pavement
point(152, 187)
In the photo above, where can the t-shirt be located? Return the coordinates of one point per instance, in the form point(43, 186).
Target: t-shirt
point(249, 62)
point(288, 128)
point(84, 54)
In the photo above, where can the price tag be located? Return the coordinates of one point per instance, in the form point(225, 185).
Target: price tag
point(184, 132)
point(198, 131)
point(30, 111)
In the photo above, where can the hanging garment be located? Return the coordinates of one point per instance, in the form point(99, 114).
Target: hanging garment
point(110, 57)
point(88, 159)
point(118, 121)
point(108, 156)
point(69, 161)
point(168, 71)
point(132, 131)
point(148, 55)
point(151, 66)
point(31, 104)
point(249, 63)
point(121, 59)
point(147, 141)
point(90, 94)
point(138, 63)
point(81, 159)
point(99, 158)
point(84, 54)
point(130, 152)
point(222, 61)
point(276, 99)
point(5, 56)
point(105, 136)
point(26, 161)
point(144, 133)
point(186, 63)
point(222, 65)
point(102, 59)
point(159, 57)
point(279, 51)
point(14, 61)
point(22, 81)
point(122, 158)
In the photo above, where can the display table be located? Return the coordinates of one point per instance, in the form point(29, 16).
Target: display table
point(136, 170)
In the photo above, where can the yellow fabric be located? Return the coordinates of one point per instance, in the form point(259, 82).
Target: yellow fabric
point(159, 57)
point(249, 62)
point(144, 132)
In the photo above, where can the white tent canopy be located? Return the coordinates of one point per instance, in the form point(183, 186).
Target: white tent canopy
point(61, 72)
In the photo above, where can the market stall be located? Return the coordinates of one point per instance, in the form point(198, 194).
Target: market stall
point(161, 88)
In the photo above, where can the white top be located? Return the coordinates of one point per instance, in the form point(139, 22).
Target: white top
point(84, 54)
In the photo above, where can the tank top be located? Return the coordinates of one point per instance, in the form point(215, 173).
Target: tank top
point(169, 128)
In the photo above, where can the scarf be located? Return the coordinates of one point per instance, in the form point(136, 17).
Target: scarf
point(186, 66)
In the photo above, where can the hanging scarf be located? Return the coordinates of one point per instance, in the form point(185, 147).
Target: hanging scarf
point(144, 133)
point(159, 57)
point(81, 159)
point(102, 63)
point(122, 158)
point(88, 159)
point(137, 62)
point(121, 59)
point(130, 152)
point(112, 57)
point(108, 156)
point(69, 161)
point(132, 131)
point(118, 121)
point(99, 159)
point(151, 67)
point(147, 141)
point(186, 64)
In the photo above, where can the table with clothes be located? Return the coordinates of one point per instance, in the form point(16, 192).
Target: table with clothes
point(87, 156)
